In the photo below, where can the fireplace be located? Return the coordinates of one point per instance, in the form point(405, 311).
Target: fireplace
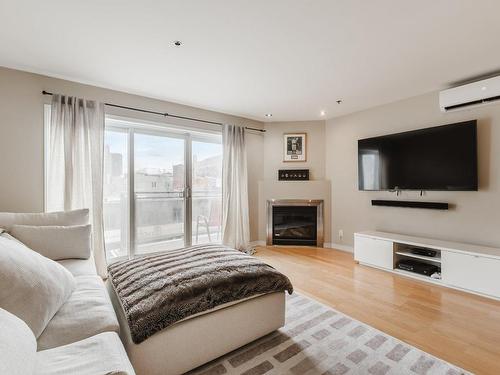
point(295, 222)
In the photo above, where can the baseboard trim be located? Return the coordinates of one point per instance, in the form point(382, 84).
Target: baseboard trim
point(257, 243)
point(338, 246)
point(326, 245)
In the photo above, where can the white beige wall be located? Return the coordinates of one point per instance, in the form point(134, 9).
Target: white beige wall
point(332, 155)
point(21, 135)
point(475, 217)
point(271, 188)
point(273, 148)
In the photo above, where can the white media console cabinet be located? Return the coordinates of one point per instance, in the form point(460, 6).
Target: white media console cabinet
point(471, 268)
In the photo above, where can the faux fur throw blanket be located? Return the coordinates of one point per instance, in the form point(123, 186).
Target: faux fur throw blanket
point(158, 290)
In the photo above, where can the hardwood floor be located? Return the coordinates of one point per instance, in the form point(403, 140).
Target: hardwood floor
point(461, 328)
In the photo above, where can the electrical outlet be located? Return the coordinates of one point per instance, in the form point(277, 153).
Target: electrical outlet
point(341, 234)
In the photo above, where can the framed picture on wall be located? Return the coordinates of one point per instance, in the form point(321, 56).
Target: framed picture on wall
point(294, 147)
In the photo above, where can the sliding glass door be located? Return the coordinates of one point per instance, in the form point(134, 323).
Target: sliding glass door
point(159, 192)
point(172, 199)
point(206, 190)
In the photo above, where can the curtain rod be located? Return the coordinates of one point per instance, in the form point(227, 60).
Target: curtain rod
point(165, 114)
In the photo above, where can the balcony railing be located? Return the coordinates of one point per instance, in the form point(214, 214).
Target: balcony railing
point(159, 221)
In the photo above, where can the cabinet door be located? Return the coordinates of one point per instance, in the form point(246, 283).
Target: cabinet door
point(373, 251)
point(472, 272)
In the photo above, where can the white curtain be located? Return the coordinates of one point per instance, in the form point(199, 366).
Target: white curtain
point(75, 163)
point(235, 221)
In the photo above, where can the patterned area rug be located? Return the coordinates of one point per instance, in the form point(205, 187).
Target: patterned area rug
point(319, 340)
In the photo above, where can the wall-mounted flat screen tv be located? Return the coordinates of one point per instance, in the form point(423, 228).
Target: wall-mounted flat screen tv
point(438, 158)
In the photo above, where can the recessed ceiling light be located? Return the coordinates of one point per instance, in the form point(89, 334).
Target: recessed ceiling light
point(177, 43)
point(339, 101)
point(269, 115)
point(322, 113)
point(483, 88)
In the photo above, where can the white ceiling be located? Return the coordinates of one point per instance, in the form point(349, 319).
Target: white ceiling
point(291, 58)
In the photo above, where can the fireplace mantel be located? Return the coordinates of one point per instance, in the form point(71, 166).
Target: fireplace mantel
point(294, 190)
point(304, 225)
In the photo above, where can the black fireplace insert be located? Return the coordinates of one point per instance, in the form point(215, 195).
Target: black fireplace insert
point(294, 225)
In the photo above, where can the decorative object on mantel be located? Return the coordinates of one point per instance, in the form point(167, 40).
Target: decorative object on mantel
point(294, 147)
point(411, 204)
point(293, 174)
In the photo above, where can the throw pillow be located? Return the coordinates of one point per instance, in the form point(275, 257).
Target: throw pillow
point(17, 346)
point(75, 217)
point(56, 242)
point(33, 287)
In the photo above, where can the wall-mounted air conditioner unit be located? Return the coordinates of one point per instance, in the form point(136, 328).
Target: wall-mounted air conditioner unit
point(471, 95)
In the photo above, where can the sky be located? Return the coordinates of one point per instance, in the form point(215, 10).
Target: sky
point(154, 152)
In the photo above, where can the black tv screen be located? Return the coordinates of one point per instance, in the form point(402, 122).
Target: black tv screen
point(438, 158)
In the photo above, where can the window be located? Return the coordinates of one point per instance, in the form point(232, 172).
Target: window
point(172, 199)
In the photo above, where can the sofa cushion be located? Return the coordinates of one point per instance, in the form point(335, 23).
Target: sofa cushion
point(100, 354)
point(32, 287)
point(86, 313)
point(54, 241)
point(17, 345)
point(75, 217)
point(80, 267)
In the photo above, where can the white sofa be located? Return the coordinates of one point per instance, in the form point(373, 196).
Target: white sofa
point(87, 312)
point(97, 355)
point(82, 336)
